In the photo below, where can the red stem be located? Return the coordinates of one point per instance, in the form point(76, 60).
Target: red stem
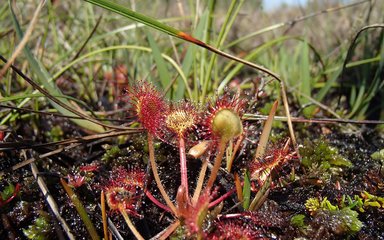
point(183, 165)
point(156, 202)
point(222, 198)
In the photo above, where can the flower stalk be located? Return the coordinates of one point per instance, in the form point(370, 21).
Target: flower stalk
point(183, 165)
point(217, 164)
point(164, 194)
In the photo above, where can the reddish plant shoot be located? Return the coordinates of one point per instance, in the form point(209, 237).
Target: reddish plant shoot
point(180, 119)
point(123, 189)
point(260, 170)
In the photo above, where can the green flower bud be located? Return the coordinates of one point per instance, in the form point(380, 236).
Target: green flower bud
point(227, 124)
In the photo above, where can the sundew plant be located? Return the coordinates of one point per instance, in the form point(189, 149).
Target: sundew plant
point(191, 120)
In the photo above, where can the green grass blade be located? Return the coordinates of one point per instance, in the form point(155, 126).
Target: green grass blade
point(174, 32)
point(165, 76)
point(305, 76)
point(81, 210)
point(126, 12)
point(44, 77)
point(235, 70)
point(246, 191)
point(233, 10)
point(189, 60)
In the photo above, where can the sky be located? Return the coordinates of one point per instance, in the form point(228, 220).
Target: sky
point(271, 4)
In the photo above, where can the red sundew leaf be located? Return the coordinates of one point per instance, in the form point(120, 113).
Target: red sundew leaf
point(149, 106)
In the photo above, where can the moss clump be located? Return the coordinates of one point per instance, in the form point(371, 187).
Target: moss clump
point(379, 155)
point(298, 221)
point(323, 155)
point(111, 153)
point(56, 134)
point(342, 221)
point(41, 229)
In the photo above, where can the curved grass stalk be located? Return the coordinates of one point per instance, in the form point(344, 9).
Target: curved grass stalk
point(249, 57)
point(130, 224)
point(151, 150)
point(291, 22)
point(149, 21)
point(229, 19)
point(44, 76)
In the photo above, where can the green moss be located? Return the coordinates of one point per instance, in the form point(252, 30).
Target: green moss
point(341, 221)
point(56, 134)
point(379, 155)
point(111, 153)
point(7, 191)
point(298, 220)
point(322, 154)
point(41, 228)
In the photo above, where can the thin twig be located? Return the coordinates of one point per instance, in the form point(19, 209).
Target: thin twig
point(255, 117)
point(51, 202)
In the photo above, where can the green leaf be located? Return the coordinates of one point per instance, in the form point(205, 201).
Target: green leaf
point(246, 191)
point(298, 220)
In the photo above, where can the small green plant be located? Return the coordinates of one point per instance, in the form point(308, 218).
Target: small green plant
point(322, 153)
point(371, 200)
point(40, 229)
point(56, 133)
point(342, 221)
point(314, 204)
point(321, 160)
point(379, 155)
point(298, 220)
point(9, 193)
point(111, 153)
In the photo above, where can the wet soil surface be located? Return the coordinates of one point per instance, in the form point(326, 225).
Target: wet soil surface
point(92, 170)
